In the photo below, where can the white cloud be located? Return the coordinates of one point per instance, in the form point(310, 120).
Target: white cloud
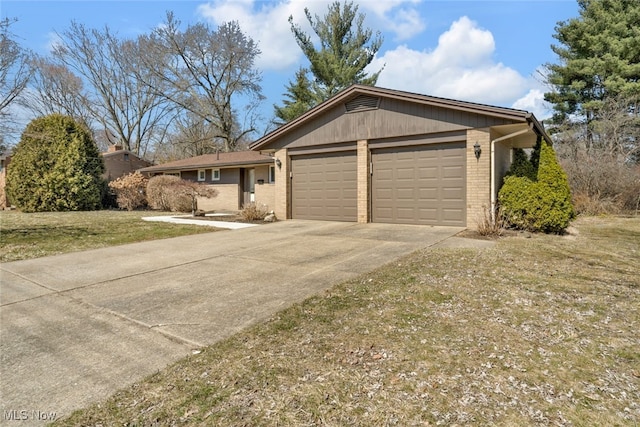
point(534, 102)
point(268, 26)
point(267, 23)
point(396, 16)
point(405, 23)
point(460, 67)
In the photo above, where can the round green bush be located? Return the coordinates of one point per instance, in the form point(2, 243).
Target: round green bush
point(56, 166)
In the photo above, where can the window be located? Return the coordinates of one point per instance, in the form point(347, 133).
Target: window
point(202, 175)
point(272, 174)
point(126, 157)
point(215, 174)
point(173, 174)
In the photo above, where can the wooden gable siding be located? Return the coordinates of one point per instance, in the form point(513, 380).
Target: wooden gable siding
point(394, 118)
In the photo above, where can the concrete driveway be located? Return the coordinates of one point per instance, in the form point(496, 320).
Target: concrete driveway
point(77, 327)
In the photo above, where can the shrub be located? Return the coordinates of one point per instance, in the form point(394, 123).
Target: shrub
point(130, 191)
point(253, 212)
point(56, 166)
point(491, 225)
point(540, 205)
point(521, 165)
point(170, 193)
point(601, 182)
point(194, 190)
point(162, 195)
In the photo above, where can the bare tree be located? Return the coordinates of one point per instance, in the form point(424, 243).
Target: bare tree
point(601, 159)
point(208, 71)
point(15, 73)
point(616, 128)
point(194, 136)
point(56, 90)
point(121, 102)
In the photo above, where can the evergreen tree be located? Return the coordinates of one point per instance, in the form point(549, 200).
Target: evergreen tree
point(300, 99)
point(56, 166)
point(345, 50)
point(599, 58)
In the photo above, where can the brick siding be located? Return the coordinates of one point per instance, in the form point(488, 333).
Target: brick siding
point(364, 159)
point(478, 176)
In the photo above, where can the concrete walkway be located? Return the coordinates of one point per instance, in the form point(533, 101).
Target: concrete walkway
point(207, 223)
point(75, 328)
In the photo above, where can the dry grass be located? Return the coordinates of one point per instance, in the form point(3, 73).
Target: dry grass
point(25, 236)
point(536, 331)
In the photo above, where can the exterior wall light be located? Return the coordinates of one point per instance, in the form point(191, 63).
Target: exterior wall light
point(477, 150)
point(278, 163)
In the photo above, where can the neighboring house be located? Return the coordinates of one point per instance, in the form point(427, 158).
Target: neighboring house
point(240, 177)
point(119, 162)
point(5, 159)
point(377, 155)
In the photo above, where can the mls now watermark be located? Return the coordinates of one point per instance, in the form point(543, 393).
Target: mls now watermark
point(28, 415)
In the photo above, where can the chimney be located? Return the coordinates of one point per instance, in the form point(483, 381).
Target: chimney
point(115, 147)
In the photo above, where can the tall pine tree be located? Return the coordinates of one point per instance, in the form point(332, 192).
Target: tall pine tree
point(599, 58)
point(345, 50)
point(299, 96)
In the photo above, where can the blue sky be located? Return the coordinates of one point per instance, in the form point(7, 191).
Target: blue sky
point(482, 51)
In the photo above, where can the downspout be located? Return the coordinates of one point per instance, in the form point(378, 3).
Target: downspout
point(493, 164)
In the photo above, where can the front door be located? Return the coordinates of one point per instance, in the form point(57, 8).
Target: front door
point(249, 186)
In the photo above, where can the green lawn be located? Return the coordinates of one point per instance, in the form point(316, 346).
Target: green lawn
point(535, 331)
point(32, 235)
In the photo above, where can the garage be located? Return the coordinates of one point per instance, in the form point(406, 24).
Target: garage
point(371, 154)
point(423, 184)
point(324, 186)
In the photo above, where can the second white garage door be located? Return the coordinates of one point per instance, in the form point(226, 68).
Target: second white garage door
point(423, 184)
point(324, 187)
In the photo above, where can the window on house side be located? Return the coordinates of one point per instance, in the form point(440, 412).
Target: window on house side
point(202, 175)
point(272, 174)
point(126, 157)
point(215, 174)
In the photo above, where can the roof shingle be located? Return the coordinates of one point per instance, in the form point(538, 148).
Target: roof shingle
point(235, 158)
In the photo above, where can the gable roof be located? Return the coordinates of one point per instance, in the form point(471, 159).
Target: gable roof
point(356, 90)
point(118, 152)
point(234, 158)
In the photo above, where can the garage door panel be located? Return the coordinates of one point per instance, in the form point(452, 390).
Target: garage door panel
point(405, 174)
point(324, 187)
point(452, 172)
point(454, 194)
point(420, 184)
point(430, 172)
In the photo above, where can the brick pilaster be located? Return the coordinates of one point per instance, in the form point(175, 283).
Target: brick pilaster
point(478, 176)
point(283, 184)
point(363, 162)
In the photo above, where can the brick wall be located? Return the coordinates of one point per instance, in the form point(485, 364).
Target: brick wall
point(363, 162)
point(225, 200)
point(122, 163)
point(478, 176)
point(265, 195)
point(283, 185)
